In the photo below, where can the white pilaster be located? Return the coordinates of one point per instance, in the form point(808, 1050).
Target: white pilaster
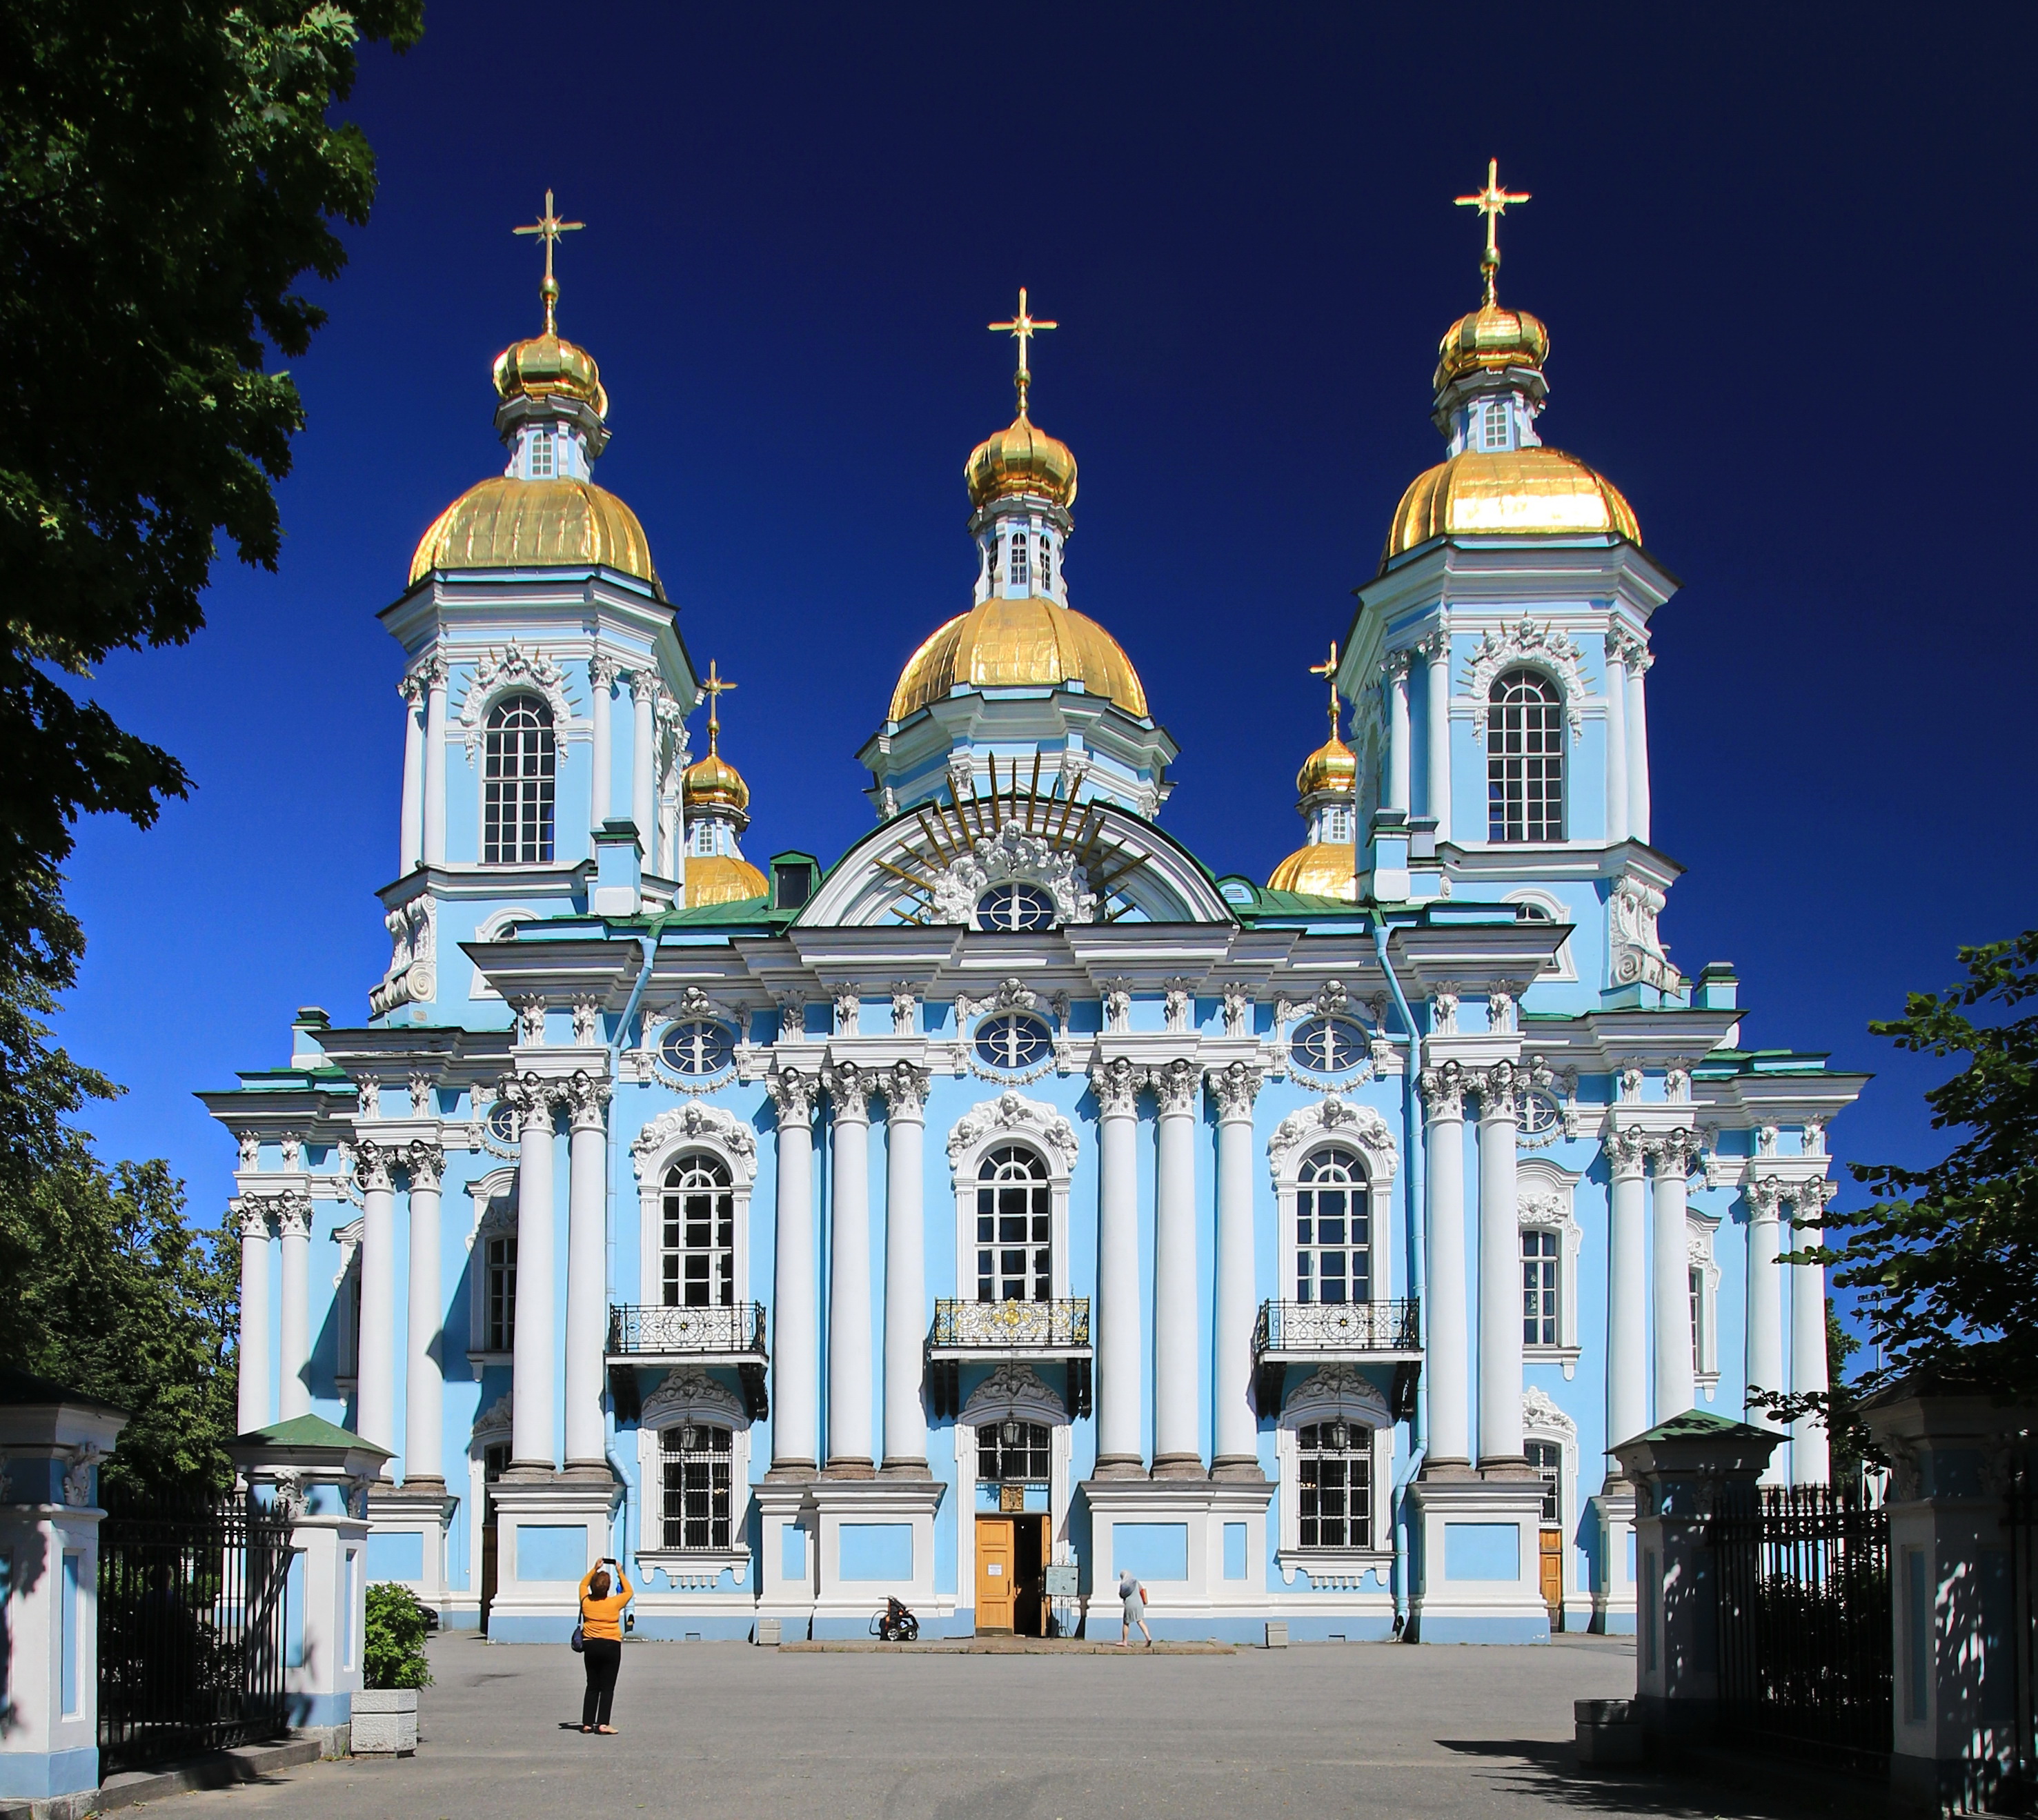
point(1397, 730)
point(376, 1393)
point(293, 1222)
point(252, 1408)
point(1120, 1353)
point(601, 674)
point(433, 813)
point(424, 1383)
point(796, 1348)
point(587, 1269)
point(532, 1361)
point(411, 689)
point(1439, 742)
point(1765, 1306)
point(1638, 746)
point(905, 1270)
point(1448, 1354)
point(1676, 1380)
point(1627, 1290)
point(1499, 1272)
point(849, 1441)
point(1236, 1450)
point(1177, 1286)
point(1617, 738)
point(643, 781)
point(1811, 1462)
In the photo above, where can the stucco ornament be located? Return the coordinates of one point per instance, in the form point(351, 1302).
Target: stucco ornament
point(1338, 1386)
point(697, 1122)
point(1013, 854)
point(78, 1474)
point(1638, 954)
point(1335, 1118)
point(1013, 1389)
point(413, 976)
point(1553, 653)
point(690, 1392)
point(513, 667)
point(1015, 1114)
point(1538, 1412)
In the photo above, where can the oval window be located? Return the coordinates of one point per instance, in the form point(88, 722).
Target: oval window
point(1328, 1045)
point(697, 1048)
point(1015, 904)
point(1537, 1113)
point(502, 1123)
point(1012, 1042)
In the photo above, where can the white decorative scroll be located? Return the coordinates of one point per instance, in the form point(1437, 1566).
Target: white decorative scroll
point(1637, 950)
point(1013, 853)
point(413, 974)
point(512, 667)
point(698, 1122)
point(1013, 1114)
point(1335, 1118)
point(1539, 1413)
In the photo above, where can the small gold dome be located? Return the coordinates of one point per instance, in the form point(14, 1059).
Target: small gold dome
point(505, 523)
point(1490, 340)
point(722, 878)
point(1018, 644)
point(1331, 766)
point(546, 366)
point(713, 782)
point(1020, 459)
point(1531, 492)
point(1326, 869)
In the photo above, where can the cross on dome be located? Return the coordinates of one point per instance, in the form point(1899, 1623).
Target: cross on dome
point(1022, 329)
point(1327, 670)
point(1492, 202)
point(712, 686)
point(549, 227)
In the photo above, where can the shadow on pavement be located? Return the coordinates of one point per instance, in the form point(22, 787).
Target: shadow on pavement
point(1550, 1773)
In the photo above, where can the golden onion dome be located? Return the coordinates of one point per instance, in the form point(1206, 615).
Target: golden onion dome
point(1331, 766)
point(1491, 340)
point(506, 523)
point(723, 878)
point(1530, 492)
point(713, 782)
point(1329, 869)
point(546, 366)
point(1022, 459)
point(1018, 644)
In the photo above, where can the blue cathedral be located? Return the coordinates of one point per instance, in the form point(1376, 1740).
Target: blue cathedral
point(1018, 1198)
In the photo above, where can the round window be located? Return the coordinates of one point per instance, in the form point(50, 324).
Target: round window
point(697, 1048)
point(1328, 1045)
point(1537, 1113)
point(1015, 905)
point(1012, 1042)
point(503, 1122)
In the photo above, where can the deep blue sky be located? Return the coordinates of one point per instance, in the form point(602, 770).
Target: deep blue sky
point(1787, 272)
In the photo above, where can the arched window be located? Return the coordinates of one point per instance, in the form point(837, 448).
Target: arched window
point(517, 799)
point(1524, 758)
point(700, 1235)
point(1047, 561)
point(1014, 1228)
point(1016, 570)
point(1335, 1485)
point(1547, 1459)
point(1333, 1244)
point(696, 1487)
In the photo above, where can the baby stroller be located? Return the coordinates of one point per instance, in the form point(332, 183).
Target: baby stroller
point(896, 1624)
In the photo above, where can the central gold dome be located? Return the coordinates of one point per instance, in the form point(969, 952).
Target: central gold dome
point(1531, 492)
point(1018, 644)
point(506, 523)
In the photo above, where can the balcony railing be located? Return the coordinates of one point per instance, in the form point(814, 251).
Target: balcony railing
point(1059, 1327)
point(636, 1332)
point(1337, 1329)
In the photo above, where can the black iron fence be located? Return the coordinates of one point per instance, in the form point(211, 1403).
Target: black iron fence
point(193, 1622)
point(2021, 1794)
point(1804, 1644)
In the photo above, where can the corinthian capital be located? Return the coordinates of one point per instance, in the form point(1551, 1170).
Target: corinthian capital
point(791, 1092)
point(849, 1090)
point(644, 685)
point(371, 1165)
point(1626, 1151)
point(602, 671)
point(1234, 1087)
point(254, 1217)
point(1444, 1091)
point(906, 1089)
point(1764, 1198)
point(427, 1162)
point(585, 1098)
point(1672, 1151)
point(1497, 1087)
point(293, 1215)
point(1116, 1085)
point(1175, 1084)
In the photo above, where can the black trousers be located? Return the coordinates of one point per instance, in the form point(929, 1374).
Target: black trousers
point(603, 1656)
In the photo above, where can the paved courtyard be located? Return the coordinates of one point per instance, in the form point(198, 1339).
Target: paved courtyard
point(723, 1731)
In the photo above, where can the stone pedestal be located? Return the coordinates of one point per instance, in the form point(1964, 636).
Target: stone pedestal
point(1171, 1534)
point(1614, 1562)
point(871, 1540)
point(787, 1556)
point(551, 1528)
point(407, 1539)
point(1477, 1568)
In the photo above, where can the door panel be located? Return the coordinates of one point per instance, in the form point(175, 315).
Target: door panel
point(997, 1555)
point(1553, 1576)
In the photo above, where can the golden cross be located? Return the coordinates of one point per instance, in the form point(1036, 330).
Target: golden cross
point(550, 227)
point(713, 687)
point(1023, 329)
point(1327, 670)
point(1492, 202)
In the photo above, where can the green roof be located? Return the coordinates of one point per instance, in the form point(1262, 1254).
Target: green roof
point(1702, 1425)
point(308, 1432)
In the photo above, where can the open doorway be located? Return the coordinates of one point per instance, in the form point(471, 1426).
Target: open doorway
point(1012, 1555)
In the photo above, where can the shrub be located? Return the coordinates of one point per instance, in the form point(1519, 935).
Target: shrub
point(394, 1651)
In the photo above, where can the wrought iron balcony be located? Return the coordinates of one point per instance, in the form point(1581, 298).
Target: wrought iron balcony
point(1306, 1330)
point(640, 1335)
point(1057, 1329)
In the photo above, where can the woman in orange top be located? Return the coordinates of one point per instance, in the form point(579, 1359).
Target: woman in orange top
point(601, 1633)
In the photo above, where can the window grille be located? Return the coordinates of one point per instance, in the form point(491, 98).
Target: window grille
point(1333, 1247)
point(1016, 561)
point(517, 801)
point(541, 456)
point(1015, 905)
point(700, 1212)
point(1012, 1453)
point(501, 1264)
point(1014, 1228)
point(1495, 427)
point(1335, 1485)
point(696, 1511)
point(1539, 1287)
point(1524, 758)
point(1547, 1459)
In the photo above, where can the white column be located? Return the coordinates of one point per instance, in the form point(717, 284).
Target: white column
point(1627, 1291)
point(1447, 1357)
point(1638, 746)
point(1499, 1271)
point(1765, 1306)
point(434, 814)
point(1440, 733)
point(252, 1408)
point(849, 1441)
point(1616, 737)
point(376, 1367)
point(533, 1359)
point(1235, 1453)
point(1397, 731)
point(795, 1345)
point(905, 1271)
point(424, 1384)
point(1121, 1350)
point(643, 783)
point(1675, 1386)
point(601, 674)
point(587, 1270)
point(293, 1222)
point(1177, 1280)
point(1811, 1462)
point(411, 689)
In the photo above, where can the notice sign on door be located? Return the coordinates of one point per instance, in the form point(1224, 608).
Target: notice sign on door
point(994, 1567)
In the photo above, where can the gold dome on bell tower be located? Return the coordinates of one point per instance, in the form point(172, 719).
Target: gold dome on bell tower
point(1326, 798)
point(715, 802)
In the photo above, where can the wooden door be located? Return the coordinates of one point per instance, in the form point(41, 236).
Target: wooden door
point(1553, 1576)
point(997, 1555)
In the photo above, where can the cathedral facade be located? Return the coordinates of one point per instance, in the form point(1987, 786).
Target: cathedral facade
point(1018, 1199)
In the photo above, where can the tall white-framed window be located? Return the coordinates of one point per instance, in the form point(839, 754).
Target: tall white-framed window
point(696, 1165)
point(1703, 1280)
point(1013, 1392)
point(1524, 758)
point(1334, 1446)
point(1337, 825)
point(1547, 1459)
point(1550, 1438)
point(1011, 1159)
point(487, 1459)
point(1310, 1150)
point(491, 1244)
point(1493, 429)
point(1046, 557)
point(518, 776)
point(1333, 1226)
point(695, 1489)
point(347, 1307)
point(1551, 1242)
point(1015, 571)
point(693, 1468)
point(541, 455)
point(698, 1233)
point(1538, 1286)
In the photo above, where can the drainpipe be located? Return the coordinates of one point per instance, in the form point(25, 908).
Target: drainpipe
point(647, 947)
